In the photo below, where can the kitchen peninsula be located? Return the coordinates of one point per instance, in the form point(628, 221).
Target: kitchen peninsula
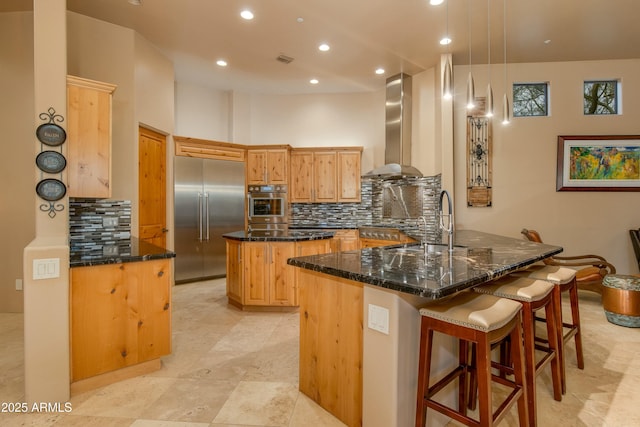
point(368, 375)
point(120, 312)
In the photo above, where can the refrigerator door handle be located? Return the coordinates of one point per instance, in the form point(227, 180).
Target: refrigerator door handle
point(200, 217)
point(206, 215)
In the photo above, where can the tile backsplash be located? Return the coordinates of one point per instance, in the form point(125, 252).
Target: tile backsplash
point(99, 227)
point(372, 209)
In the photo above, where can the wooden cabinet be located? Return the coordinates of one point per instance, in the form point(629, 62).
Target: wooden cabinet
point(372, 243)
point(345, 240)
point(267, 166)
point(88, 138)
point(120, 315)
point(258, 274)
point(325, 175)
point(235, 274)
point(269, 281)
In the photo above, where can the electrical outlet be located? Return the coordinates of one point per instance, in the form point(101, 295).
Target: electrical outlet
point(18, 284)
point(109, 250)
point(110, 221)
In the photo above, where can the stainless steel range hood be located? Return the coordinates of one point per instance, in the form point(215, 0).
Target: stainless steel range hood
point(397, 153)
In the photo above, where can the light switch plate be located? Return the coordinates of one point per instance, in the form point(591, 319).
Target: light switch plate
point(48, 268)
point(378, 319)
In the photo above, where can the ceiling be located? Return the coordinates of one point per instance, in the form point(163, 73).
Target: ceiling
point(398, 35)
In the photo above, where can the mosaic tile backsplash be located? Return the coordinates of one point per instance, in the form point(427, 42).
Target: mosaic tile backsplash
point(99, 227)
point(371, 210)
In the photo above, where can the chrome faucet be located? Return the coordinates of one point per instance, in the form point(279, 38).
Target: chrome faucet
point(424, 234)
point(449, 226)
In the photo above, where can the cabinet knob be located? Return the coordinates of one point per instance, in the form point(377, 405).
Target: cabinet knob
point(166, 307)
point(160, 273)
point(123, 353)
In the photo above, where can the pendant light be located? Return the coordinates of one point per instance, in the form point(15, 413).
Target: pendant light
point(505, 100)
point(489, 104)
point(446, 79)
point(471, 89)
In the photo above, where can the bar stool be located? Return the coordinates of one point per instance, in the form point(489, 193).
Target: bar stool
point(473, 319)
point(564, 280)
point(534, 295)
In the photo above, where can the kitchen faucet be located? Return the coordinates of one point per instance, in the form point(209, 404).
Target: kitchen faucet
point(449, 227)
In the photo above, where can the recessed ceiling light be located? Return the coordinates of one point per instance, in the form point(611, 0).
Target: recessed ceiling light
point(246, 14)
point(435, 2)
point(547, 41)
point(379, 71)
point(300, 20)
point(445, 41)
point(221, 63)
point(314, 81)
point(136, 2)
point(324, 47)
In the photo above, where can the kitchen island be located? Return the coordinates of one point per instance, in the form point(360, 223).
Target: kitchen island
point(368, 375)
point(258, 276)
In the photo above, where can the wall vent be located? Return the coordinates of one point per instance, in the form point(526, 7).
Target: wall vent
point(284, 59)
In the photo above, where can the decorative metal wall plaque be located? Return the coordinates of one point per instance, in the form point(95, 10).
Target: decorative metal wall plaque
point(479, 154)
point(51, 162)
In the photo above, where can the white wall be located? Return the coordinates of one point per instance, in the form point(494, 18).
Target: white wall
point(524, 162)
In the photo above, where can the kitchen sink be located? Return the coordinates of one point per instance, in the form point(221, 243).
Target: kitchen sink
point(432, 249)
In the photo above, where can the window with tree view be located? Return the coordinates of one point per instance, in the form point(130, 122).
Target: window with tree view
point(601, 97)
point(530, 99)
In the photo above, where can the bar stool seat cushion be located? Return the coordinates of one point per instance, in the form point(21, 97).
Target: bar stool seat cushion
point(476, 311)
point(621, 299)
point(517, 288)
point(552, 273)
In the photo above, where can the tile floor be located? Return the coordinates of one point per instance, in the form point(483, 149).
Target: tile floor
point(233, 368)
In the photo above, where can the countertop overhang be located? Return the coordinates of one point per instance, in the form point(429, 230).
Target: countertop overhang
point(480, 257)
point(136, 250)
point(290, 235)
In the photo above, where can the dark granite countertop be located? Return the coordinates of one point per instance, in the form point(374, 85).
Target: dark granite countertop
point(290, 235)
point(136, 250)
point(477, 258)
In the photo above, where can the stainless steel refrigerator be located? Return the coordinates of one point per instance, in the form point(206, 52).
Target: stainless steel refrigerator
point(209, 201)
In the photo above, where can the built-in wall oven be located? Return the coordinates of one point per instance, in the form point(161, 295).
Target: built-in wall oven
point(268, 207)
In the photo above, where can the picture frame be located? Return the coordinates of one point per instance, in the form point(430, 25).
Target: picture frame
point(598, 163)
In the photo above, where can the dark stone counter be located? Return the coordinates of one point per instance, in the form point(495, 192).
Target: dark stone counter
point(136, 250)
point(477, 258)
point(290, 235)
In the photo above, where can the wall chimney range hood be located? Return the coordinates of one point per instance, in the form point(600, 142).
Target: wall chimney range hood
point(397, 152)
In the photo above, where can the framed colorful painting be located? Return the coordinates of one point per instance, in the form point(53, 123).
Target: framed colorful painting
point(598, 163)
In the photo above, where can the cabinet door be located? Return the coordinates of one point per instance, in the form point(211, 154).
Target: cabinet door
point(256, 166)
point(153, 282)
point(277, 171)
point(282, 288)
point(301, 182)
point(324, 171)
point(234, 270)
point(88, 138)
point(345, 240)
point(349, 176)
point(256, 273)
point(103, 335)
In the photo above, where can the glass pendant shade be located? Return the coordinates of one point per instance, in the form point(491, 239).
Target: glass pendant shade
point(446, 80)
point(489, 104)
point(471, 92)
point(506, 111)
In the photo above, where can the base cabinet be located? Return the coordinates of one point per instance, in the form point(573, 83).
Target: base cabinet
point(120, 316)
point(258, 274)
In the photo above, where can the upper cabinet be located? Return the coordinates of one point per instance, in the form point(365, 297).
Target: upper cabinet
point(267, 166)
point(325, 175)
point(89, 137)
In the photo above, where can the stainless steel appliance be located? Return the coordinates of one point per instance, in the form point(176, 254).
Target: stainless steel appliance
point(209, 201)
point(268, 207)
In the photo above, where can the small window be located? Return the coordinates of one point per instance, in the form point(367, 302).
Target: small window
point(530, 99)
point(600, 97)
